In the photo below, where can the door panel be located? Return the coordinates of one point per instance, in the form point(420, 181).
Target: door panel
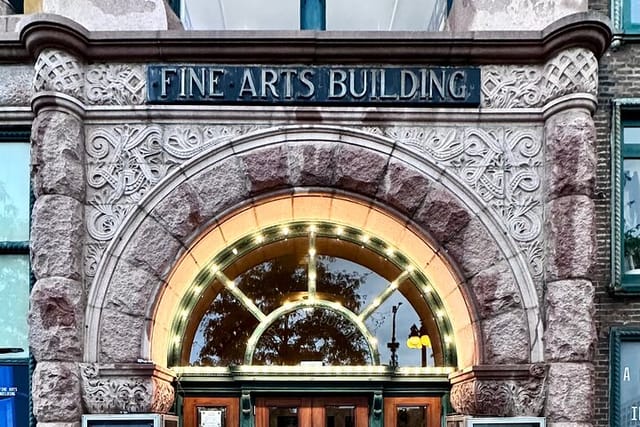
point(412, 412)
point(312, 412)
point(211, 411)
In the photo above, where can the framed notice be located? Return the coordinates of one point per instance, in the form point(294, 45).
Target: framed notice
point(625, 377)
point(211, 416)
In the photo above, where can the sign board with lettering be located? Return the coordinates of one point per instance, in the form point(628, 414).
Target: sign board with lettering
point(326, 85)
point(625, 377)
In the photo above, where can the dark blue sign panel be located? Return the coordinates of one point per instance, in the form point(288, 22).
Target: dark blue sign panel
point(14, 395)
point(225, 84)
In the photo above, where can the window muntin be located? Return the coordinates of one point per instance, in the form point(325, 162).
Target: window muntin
point(354, 15)
point(368, 309)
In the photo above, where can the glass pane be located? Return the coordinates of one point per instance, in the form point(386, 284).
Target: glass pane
point(211, 416)
point(312, 335)
point(628, 380)
point(14, 191)
point(635, 11)
point(340, 416)
point(631, 135)
point(283, 417)
point(271, 283)
point(240, 14)
point(14, 305)
point(381, 15)
point(223, 332)
point(14, 395)
point(631, 216)
point(411, 416)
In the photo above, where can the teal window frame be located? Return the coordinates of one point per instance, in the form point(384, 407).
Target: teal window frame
point(617, 336)
point(625, 113)
point(629, 27)
point(621, 20)
point(20, 135)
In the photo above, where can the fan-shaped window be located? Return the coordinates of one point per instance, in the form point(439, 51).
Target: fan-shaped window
point(305, 293)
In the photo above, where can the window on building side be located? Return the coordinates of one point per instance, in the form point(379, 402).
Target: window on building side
point(14, 279)
point(631, 15)
point(361, 15)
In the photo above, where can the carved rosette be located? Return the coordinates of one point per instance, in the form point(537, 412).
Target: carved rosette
point(126, 388)
point(501, 390)
point(58, 71)
point(508, 86)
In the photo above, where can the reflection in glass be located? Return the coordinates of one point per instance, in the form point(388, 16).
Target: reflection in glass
point(14, 192)
point(408, 15)
point(14, 395)
point(635, 11)
point(14, 304)
point(283, 417)
point(631, 215)
point(312, 334)
point(221, 337)
point(411, 416)
point(340, 416)
point(240, 14)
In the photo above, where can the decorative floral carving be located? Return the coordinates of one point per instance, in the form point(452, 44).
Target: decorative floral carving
point(124, 162)
point(113, 393)
point(115, 84)
point(500, 164)
point(503, 397)
point(58, 71)
point(571, 71)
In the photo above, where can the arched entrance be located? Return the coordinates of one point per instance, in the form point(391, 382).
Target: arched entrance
point(225, 213)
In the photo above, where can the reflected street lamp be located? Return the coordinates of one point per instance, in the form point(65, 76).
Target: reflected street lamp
point(419, 339)
point(393, 345)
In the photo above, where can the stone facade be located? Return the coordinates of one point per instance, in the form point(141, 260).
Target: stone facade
point(507, 193)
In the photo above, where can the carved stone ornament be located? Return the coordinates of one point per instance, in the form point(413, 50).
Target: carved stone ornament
point(501, 390)
point(115, 84)
point(126, 388)
point(571, 71)
point(58, 71)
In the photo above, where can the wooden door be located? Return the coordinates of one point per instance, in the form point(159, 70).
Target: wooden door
point(312, 412)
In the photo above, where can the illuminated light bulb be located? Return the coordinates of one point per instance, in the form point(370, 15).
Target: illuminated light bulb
point(394, 284)
point(259, 239)
point(312, 251)
point(312, 275)
point(312, 228)
point(285, 231)
point(176, 339)
point(389, 252)
point(447, 340)
point(234, 251)
point(409, 268)
point(231, 283)
point(376, 302)
point(440, 314)
point(427, 289)
point(197, 289)
point(185, 313)
point(374, 341)
point(365, 238)
point(214, 269)
point(339, 231)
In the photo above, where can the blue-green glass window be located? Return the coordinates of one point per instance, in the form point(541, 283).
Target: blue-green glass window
point(15, 279)
point(631, 15)
point(624, 371)
point(360, 15)
point(630, 181)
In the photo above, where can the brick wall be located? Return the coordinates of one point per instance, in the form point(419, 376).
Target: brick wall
point(619, 77)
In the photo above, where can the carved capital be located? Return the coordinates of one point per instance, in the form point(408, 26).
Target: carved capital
point(500, 390)
point(58, 71)
point(130, 388)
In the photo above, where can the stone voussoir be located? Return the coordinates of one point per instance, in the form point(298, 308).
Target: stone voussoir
point(57, 155)
point(506, 338)
point(120, 337)
point(359, 170)
point(179, 212)
point(495, 290)
point(404, 187)
point(570, 154)
point(311, 164)
point(570, 237)
point(267, 168)
point(56, 392)
point(56, 319)
point(570, 334)
point(57, 232)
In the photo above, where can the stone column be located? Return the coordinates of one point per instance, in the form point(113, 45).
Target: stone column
point(570, 162)
point(56, 317)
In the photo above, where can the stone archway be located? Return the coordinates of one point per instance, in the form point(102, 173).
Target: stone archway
point(125, 296)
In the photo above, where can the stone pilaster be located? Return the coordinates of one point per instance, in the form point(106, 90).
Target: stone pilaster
point(570, 256)
point(58, 299)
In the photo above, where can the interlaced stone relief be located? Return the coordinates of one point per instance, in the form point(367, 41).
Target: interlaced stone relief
point(501, 164)
point(58, 71)
point(571, 71)
point(115, 84)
